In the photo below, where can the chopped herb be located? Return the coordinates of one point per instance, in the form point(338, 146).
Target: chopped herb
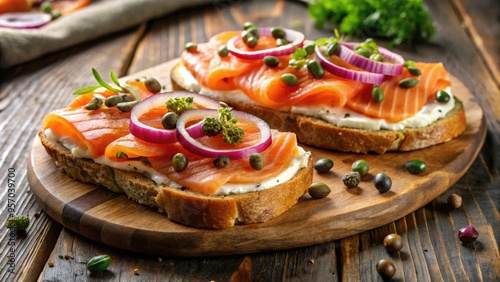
point(180, 105)
point(231, 133)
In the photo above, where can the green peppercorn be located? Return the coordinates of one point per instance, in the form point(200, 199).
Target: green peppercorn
point(363, 52)
point(46, 7)
point(179, 162)
point(289, 79)
point(382, 182)
point(152, 85)
point(360, 166)
point(281, 42)
point(408, 82)
point(94, 104)
point(414, 71)
point(191, 47)
point(256, 161)
point(271, 61)
point(309, 48)
point(169, 120)
point(248, 25)
point(121, 155)
point(393, 243)
point(252, 41)
point(221, 161)
point(278, 32)
point(386, 269)
point(112, 101)
point(377, 94)
point(376, 57)
point(330, 49)
point(98, 263)
point(127, 97)
point(415, 166)
point(18, 222)
point(351, 179)
point(318, 190)
point(323, 165)
point(315, 69)
point(442, 97)
point(223, 51)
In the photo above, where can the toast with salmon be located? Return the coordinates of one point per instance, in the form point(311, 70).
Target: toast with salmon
point(328, 101)
point(128, 152)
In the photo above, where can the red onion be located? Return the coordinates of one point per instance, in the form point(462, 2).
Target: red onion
point(24, 20)
point(347, 54)
point(162, 136)
point(362, 76)
point(189, 142)
point(296, 38)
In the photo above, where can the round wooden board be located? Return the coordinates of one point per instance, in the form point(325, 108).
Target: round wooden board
point(111, 218)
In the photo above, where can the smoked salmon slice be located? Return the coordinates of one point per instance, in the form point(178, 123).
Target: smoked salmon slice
point(401, 103)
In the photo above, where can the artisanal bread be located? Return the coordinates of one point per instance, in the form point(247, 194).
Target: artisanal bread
point(188, 208)
point(319, 133)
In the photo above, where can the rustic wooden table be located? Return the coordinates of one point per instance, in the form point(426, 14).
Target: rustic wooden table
point(466, 42)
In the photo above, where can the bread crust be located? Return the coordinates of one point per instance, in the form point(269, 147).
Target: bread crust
point(183, 206)
point(321, 134)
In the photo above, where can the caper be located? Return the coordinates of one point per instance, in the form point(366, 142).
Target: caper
point(126, 97)
point(191, 47)
point(223, 51)
point(454, 201)
point(323, 165)
point(121, 155)
point(363, 52)
point(152, 85)
point(256, 161)
point(98, 263)
point(382, 182)
point(112, 101)
point(248, 25)
point(169, 120)
point(94, 104)
point(360, 166)
point(179, 162)
point(442, 96)
point(289, 79)
point(278, 32)
point(222, 161)
point(271, 61)
point(126, 106)
point(319, 190)
point(315, 69)
point(46, 7)
point(18, 222)
point(408, 82)
point(377, 94)
point(351, 179)
point(393, 243)
point(281, 42)
point(56, 14)
point(330, 49)
point(386, 268)
point(415, 166)
point(253, 30)
point(414, 71)
point(309, 48)
point(376, 57)
point(252, 41)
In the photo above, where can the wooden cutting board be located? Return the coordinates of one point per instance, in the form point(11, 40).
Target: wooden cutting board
point(112, 219)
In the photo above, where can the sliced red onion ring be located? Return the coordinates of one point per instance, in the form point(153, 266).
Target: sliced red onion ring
point(347, 54)
point(362, 76)
point(296, 38)
point(189, 142)
point(163, 136)
point(24, 20)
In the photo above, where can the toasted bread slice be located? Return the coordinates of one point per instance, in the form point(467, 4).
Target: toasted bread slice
point(181, 205)
point(319, 133)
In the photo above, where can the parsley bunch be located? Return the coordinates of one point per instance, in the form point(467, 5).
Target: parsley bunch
point(399, 21)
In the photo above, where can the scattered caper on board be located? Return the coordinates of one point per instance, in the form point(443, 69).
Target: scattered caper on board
point(98, 263)
point(152, 85)
point(386, 268)
point(323, 165)
point(415, 166)
point(360, 166)
point(382, 182)
point(319, 190)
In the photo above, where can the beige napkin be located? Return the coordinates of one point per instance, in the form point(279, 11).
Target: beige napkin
point(97, 19)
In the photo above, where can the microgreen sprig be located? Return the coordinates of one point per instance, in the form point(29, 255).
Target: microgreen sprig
point(102, 83)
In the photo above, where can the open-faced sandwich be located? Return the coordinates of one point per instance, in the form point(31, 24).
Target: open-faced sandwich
point(185, 154)
point(352, 97)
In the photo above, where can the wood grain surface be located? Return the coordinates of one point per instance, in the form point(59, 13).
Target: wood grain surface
point(105, 216)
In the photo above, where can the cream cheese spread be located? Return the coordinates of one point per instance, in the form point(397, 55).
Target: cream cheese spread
point(300, 161)
point(342, 117)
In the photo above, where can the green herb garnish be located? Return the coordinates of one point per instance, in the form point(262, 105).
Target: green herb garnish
point(101, 82)
point(399, 21)
point(180, 105)
point(226, 123)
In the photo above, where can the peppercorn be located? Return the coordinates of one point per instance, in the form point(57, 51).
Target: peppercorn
point(221, 161)
point(386, 268)
point(393, 243)
point(454, 201)
point(351, 179)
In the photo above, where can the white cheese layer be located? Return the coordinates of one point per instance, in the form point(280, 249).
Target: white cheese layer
point(300, 161)
point(343, 117)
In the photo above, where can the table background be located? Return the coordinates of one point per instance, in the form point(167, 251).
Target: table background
point(466, 42)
